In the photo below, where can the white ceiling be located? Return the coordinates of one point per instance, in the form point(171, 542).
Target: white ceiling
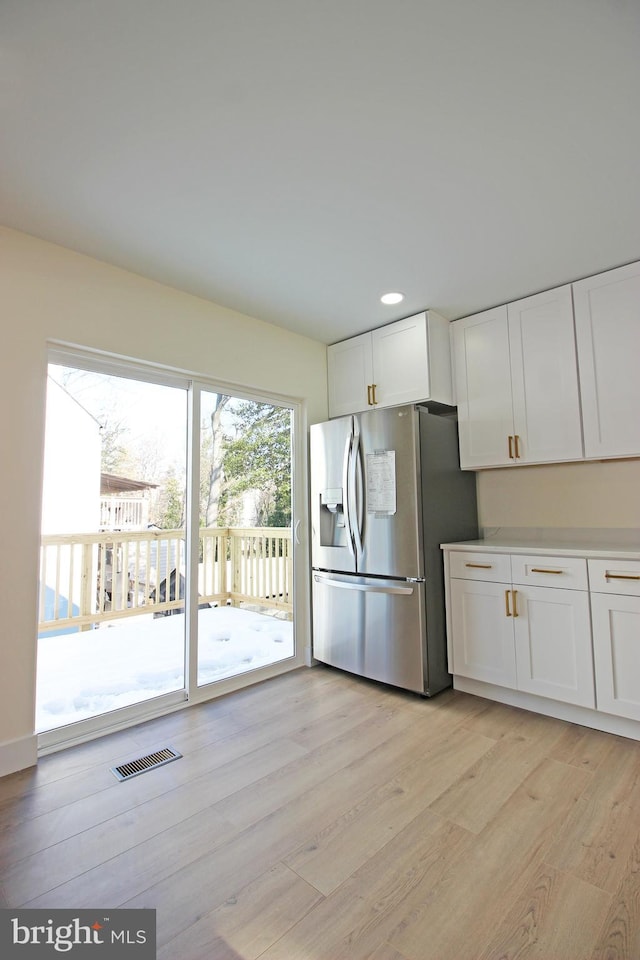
point(294, 159)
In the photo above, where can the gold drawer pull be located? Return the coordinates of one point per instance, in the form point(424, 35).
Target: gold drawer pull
point(511, 457)
point(369, 400)
point(506, 603)
point(480, 566)
point(621, 576)
point(542, 570)
point(514, 594)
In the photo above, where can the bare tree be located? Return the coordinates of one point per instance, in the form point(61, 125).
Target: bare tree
point(216, 474)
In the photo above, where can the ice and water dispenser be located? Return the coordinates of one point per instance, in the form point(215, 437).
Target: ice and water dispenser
point(332, 522)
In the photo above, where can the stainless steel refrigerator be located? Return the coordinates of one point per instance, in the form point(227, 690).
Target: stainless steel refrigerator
point(386, 491)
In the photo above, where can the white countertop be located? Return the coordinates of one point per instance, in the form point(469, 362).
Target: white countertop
point(605, 550)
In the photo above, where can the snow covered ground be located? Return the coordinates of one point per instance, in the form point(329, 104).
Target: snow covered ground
point(84, 674)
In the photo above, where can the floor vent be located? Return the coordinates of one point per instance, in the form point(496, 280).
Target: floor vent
point(131, 769)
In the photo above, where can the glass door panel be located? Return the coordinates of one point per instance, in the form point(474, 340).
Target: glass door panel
point(111, 623)
point(245, 588)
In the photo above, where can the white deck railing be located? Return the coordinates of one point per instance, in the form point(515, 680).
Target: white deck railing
point(87, 578)
point(123, 513)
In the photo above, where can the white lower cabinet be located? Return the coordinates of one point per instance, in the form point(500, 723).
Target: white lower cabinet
point(482, 634)
point(615, 611)
point(519, 634)
point(616, 650)
point(553, 644)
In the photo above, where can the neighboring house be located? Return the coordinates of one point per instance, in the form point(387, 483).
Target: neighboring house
point(71, 477)
point(70, 496)
point(124, 504)
point(124, 507)
point(78, 499)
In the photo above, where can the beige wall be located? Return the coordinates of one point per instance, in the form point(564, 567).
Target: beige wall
point(590, 494)
point(47, 293)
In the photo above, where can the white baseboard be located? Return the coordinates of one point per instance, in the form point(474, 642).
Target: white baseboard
point(621, 726)
point(17, 754)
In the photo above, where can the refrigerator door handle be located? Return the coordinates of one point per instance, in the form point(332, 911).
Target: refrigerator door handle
point(347, 494)
point(358, 487)
point(355, 501)
point(363, 587)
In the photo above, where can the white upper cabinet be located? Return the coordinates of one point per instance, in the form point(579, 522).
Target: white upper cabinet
point(517, 383)
point(403, 362)
point(607, 309)
point(544, 377)
point(482, 376)
point(550, 378)
point(350, 371)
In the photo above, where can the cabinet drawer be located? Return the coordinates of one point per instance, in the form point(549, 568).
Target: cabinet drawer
point(568, 573)
point(480, 566)
point(615, 576)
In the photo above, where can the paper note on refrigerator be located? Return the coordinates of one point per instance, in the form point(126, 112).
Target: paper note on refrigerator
point(381, 482)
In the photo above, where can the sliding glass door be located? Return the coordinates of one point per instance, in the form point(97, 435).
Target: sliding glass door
point(166, 559)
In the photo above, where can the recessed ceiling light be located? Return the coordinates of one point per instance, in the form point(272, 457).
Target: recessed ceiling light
point(392, 297)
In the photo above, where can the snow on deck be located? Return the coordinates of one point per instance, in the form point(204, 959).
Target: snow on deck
point(84, 674)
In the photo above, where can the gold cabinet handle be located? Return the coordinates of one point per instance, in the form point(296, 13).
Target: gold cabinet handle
point(621, 576)
point(373, 393)
point(369, 394)
point(514, 446)
point(514, 594)
point(480, 566)
point(506, 603)
point(543, 570)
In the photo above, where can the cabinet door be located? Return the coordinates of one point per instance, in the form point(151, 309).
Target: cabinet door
point(553, 644)
point(350, 372)
point(401, 362)
point(483, 388)
point(607, 312)
point(544, 377)
point(616, 651)
point(482, 632)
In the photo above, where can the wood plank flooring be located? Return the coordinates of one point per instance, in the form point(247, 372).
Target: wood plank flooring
point(321, 817)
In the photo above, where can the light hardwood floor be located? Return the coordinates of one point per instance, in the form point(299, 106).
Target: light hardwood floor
point(320, 817)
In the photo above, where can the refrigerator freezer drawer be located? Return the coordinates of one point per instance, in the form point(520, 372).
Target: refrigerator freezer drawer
point(374, 628)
